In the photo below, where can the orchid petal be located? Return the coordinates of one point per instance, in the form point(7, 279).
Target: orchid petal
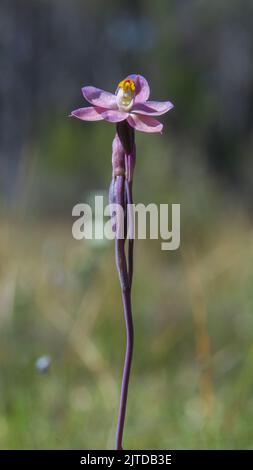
point(152, 108)
point(142, 90)
point(112, 115)
point(144, 123)
point(88, 114)
point(98, 97)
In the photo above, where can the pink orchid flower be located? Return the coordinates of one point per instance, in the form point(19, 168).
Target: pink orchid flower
point(130, 109)
point(130, 103)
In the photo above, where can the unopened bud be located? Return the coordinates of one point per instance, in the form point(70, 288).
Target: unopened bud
point(118, 157)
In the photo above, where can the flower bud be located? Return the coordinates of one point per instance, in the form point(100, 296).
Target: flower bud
point(118, 157)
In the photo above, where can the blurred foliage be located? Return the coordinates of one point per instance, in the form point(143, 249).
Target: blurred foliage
point(191, 385)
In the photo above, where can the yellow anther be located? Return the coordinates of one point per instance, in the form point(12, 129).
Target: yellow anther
point(127, 84)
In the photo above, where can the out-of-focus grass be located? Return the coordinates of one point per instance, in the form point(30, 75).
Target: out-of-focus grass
point(192, 382)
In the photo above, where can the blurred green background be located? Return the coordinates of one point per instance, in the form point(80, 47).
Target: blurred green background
point(192, 382)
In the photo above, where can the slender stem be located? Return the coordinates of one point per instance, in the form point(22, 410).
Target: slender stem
point(126, 299)
point(123, 160)
point(130, 240)
point(120, 255)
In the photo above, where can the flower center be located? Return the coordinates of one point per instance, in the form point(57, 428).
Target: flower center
point(125, 94)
